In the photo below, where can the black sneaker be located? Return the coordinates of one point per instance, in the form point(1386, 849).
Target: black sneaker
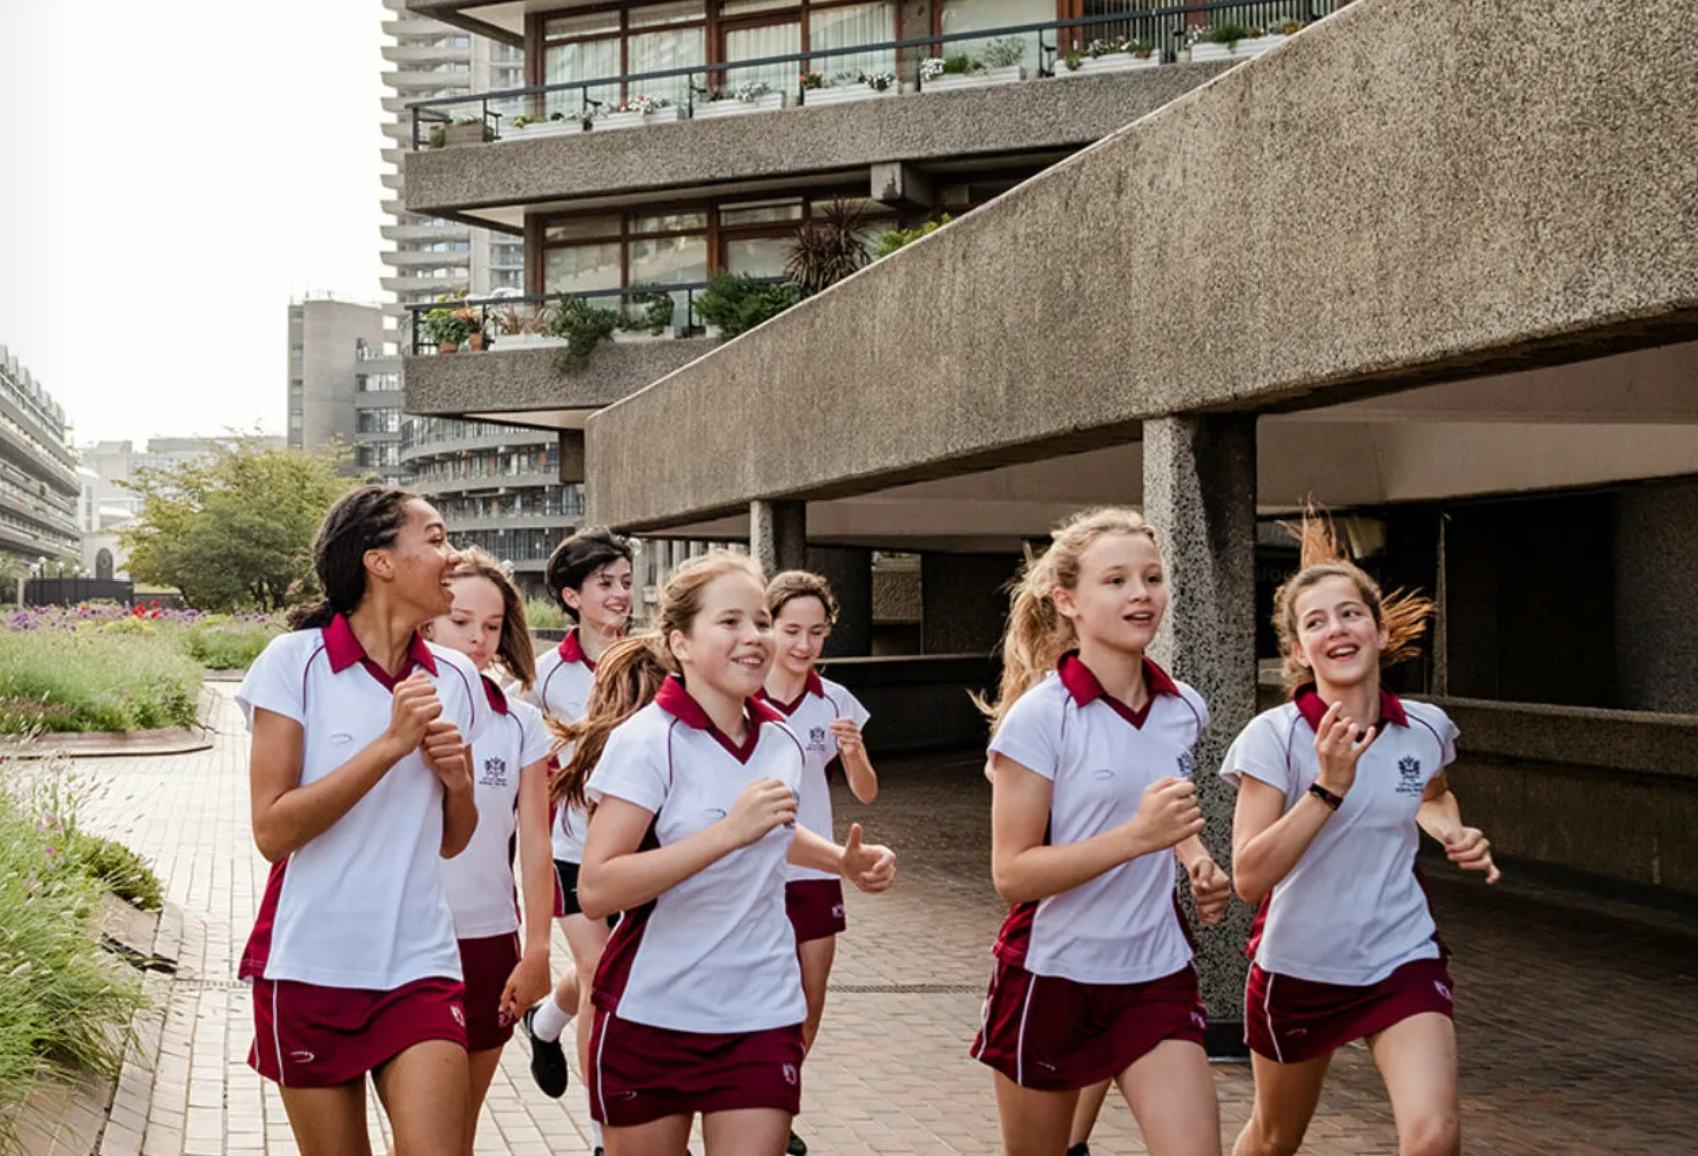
point(548, 1061)
point(796, 1147)
point(1079, 1150)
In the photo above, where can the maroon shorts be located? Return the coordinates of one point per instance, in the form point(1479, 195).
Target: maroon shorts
point(1290, 1020)
point(306, 1036)
point(488, 964)
point(1054, 1034)
point(644, 1073)
point(815, 907)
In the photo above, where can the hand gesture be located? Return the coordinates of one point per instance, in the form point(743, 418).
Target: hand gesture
point(449, 759)
point(412, 708)
point(867, 865)
point(1470, 850)
point(1339, 743)
point(1211, 887)
point(848, 736)
point(528, 984)
point(763, 805)
point(1167, 814)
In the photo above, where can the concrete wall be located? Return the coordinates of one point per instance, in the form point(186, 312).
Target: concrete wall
point(522, 381)
point(329, 331)
point(1656, 590)
point(1409, 191)
point(919, 703)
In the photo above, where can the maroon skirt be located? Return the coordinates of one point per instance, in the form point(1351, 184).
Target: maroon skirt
point(643, 1073)
point(306, 1036)
point(1289, 1020)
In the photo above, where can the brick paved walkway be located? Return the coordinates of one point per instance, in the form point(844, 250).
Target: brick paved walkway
point(1578, 1018)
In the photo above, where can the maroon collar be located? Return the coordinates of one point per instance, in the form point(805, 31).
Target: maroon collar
point(572, 650)
point(812, 685)
point(1085, 688)
point(493, 692)
point(343, 649)
point(676, 701)
point(1313, 708)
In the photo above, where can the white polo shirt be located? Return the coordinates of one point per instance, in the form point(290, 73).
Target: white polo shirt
point(1352, 910)
point(360, 906)
point(810, 717)
point(479, 880)
point(716, 953)
point(562, 689)
point(1100, 754)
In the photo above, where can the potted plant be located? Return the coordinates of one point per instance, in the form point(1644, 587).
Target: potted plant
point(580, 326)
point(1231, 41)
point(734, 303)
point(531, 127)
point(445, 328)
point(477, 335)
point(465, 130)
point(638, 110)
point(647, 316)
point(852, 86)
point(999, 63)
point(1116, 55)
point(754, 96)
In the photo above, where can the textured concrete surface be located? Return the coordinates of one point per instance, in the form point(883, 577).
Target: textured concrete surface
point(964, 601)
point(1656, 585)
point(778, 535)
point(526, 379)
point(1577, 1019)
point(1033, 116)
point(1409, 191)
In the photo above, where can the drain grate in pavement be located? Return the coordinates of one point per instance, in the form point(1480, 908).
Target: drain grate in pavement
point(212, 984)
point(908, 988)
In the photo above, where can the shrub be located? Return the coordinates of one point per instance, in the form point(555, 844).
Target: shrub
point(1004, 52)
point(737, 302)
point(64, 1004)
point(101, 679)
point(116, 868)
point(227, 645)
point(541, 614)
point(893, 239)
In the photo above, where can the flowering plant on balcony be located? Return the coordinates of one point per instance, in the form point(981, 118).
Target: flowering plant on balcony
point(522, 121)
point(752, 91)
point(645, 104)
point(1097, 49)
point(1228, 34)
point(812, 80)
point(877, 81)
point(1004, 52)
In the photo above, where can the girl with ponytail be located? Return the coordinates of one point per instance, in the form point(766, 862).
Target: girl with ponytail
point(361, 784)
point(1334, 789)
point(1093, 799)
point(693, 788)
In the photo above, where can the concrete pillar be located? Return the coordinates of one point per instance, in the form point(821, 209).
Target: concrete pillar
point(850, 572)
point(964, 601)
point(572, 466)
point(1200, 495)
point(778, 535)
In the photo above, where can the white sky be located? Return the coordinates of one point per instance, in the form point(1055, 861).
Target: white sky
point(171, 174)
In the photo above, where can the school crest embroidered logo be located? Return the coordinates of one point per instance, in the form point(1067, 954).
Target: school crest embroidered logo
point(1187, 765)
point(1199, 1021)
point(1409, 775)
point(494, 772)
point(816, 738)
point(458, 1013)
point(790, 1074)
point(1438, 986)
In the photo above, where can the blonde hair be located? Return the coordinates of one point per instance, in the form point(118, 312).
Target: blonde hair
point(793, 584)
point(633, 669)
point(1038, 634)
point(515, 652)
point(1402, 614)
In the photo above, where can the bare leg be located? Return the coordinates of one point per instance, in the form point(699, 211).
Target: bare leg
point(746, 1132)
point(588, 939)
point(329, 1121)
point(1034, 1122)
point(816, 956)
point(482, 1067)
point(1417, 1059)
point(425, 1090)
point(1286, 1096)
point(1085, 1114)
point(1172, 1093)
point(663, 1137)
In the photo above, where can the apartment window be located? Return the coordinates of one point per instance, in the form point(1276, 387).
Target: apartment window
point(378, 421)
point(507, 279)
point(647, 38)
point(972, 15)
point(296, 419)
point(378, 456)
point(376, 382)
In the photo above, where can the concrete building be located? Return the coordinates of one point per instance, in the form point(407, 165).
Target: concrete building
point(341, 386)
point(1385, 266)
point(38, 482)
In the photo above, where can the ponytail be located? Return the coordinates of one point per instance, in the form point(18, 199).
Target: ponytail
point(310, 615)
point(627, 678)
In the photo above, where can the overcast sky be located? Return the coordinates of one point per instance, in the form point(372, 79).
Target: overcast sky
point(170, 176)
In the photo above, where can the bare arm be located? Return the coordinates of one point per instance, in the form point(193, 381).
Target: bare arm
point(529, 980)
point(852, 756)
point(1268, 840)
point(867, 865)
point(1024, 868)
point(450, 760)
point(1441, 817)
point(288, 816)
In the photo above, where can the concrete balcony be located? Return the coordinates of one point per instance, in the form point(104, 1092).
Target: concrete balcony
point(429, 484)
point(459, 524)
point(423, 232)
point(423, 284)
point(426, 54)
point(988, 126)
point(420, 258)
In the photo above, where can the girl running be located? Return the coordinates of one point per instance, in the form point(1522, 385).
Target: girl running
point(698, 1000)
point(1091, 789)
point(1333, 789)
point(590, 576)
point(828, 720)
point(361, 785)
point(511, 764)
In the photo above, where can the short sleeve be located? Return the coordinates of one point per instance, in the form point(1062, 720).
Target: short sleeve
point(1443, 729)
point(1261, 751)
point(627, 768)
point(1030, 734)
point(1199, 706)
point(849, 707)
point(459, 688)
point(277, 679)
point(538, 740)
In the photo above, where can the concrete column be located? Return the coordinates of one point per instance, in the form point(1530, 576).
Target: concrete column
point(964, 601)
point(1200, 495)
point(571, 457)
point(778, 535)
point(850, 572)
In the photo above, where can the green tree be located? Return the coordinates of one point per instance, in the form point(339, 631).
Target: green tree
point(234, 530)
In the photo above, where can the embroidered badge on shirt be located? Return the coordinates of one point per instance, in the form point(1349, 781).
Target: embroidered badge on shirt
point(816, 738)
point(1409, 775)
point(494, 772)
point(1187, 765)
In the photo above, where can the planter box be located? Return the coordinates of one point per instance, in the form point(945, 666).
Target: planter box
point(541, 128)
point(455, 135)
point(637, 119)
point(641, 337)
point(513, 341)
point(1113, 62)
point(979, 79)
point(731, 106)
point(845, 94)
point(1243, 50)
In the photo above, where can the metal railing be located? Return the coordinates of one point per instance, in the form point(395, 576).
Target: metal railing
point(495, 315)
point(1168, 30)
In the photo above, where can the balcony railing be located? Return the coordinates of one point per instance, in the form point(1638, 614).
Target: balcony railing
point(499, 317)
point(1165, 31)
